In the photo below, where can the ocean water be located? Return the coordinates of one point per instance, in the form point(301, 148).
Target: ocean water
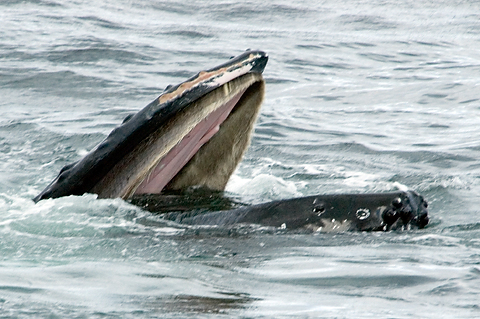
point(362, 96)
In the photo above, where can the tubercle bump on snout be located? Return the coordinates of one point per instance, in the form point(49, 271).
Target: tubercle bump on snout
point(407, 210)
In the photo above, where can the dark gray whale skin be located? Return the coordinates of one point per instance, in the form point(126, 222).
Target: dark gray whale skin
point(328, 213)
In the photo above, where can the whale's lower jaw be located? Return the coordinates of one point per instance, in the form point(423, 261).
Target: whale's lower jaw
point(194, 133)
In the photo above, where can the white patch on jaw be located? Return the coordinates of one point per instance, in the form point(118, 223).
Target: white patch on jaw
point(230, 75)
point(332, 225)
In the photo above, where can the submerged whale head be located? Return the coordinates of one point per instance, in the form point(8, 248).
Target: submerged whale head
point(194, 134)
point(320, 213)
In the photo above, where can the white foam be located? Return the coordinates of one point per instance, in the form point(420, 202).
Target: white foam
point(263, 186)
point(401, 187)
point(359, 179)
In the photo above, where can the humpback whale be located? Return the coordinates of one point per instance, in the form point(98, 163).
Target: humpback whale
point(192, 137)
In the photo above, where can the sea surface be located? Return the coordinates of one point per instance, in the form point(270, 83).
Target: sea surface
point(362, 96)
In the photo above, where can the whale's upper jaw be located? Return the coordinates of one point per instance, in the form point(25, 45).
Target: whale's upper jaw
point(195, 133)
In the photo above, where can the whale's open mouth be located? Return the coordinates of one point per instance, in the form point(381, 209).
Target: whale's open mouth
point(194, 134)
point(199, 146)
point(179, 155)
